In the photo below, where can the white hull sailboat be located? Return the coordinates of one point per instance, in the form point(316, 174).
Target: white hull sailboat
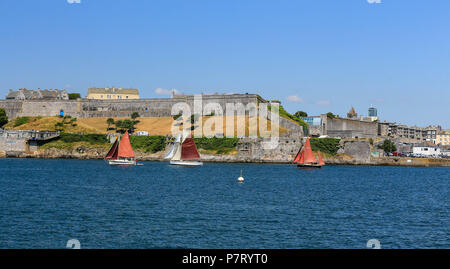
point(184, 153)
point(186, 163)
point(122, 162)
point(121, 153)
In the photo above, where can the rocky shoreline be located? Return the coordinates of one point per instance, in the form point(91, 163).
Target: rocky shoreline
point(85, 153)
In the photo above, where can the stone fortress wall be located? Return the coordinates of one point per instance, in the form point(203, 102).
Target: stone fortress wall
point(87, 108)
point(340, 127)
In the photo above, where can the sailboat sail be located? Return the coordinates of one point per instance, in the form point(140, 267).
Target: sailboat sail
point(189, 150)
point(299, 154)
point(177, 154)
point(125, 149)
point(112, 151)
point(171, 152)
point(174, 147)
point(321, 162)
point(307, 155)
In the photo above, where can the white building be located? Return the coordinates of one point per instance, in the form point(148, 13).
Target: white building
point(427, 151)
point(141, 133)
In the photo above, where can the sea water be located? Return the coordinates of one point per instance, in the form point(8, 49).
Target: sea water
point(45, 203)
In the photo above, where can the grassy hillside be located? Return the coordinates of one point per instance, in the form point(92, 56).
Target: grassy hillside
point(154, 125)
point(147, 144)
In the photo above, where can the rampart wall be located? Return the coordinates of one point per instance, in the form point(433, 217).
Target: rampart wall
point(86, 108)
point(339, 127)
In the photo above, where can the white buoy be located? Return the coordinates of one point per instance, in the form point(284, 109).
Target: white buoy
point(241, 179)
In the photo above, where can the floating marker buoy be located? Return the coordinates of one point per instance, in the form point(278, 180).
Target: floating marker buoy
point(241, 179)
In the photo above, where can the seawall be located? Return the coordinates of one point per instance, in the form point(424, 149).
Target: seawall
point(340, 159)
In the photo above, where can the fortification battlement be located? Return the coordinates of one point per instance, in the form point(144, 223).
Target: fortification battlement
point(87, 108)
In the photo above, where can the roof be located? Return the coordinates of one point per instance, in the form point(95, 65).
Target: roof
point(113, 90)
point(37, 94)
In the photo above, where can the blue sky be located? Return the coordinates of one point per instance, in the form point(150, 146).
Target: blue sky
point(313, 55)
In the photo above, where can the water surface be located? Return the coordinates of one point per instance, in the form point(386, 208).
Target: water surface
point(44, 203)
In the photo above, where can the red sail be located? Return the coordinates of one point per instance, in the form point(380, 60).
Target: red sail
point(189, 150)
point(321, 162)
point(307, 154)
point(112, 151)
point(299, 154)
point(125, 149)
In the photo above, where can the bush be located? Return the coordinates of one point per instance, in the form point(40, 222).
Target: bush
point(91, 138)
point(3, 117)
point(221, 145)
point(177, 116)
point(74, 96)
point(326, 145)
point(331, 115)
point(21, 121)
point(287, 115)
point(300, 114)
point(148, 143)
point(135, 115)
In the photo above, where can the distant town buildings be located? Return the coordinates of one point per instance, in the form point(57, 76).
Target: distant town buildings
point(443, 138)
point(354, 126)
point(112, 93)
point(410, 134)
point(24, 94)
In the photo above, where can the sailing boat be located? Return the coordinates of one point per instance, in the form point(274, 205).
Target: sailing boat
point(121, 152)
point(305, 157)
point(184, 152)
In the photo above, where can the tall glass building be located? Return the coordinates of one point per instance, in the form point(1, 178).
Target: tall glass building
point(372, 112)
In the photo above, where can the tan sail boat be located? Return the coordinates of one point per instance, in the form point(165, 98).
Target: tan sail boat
point(121, 152)
point(305, 157)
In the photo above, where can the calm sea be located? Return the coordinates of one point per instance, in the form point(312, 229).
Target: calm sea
point(44, 203)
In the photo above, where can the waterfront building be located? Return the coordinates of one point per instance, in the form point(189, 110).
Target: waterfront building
point(431, 132)
point(443, 138)
point(112, 93)
point(142, 133)
point(409, 134)
point(428, 151)
point(25, 94)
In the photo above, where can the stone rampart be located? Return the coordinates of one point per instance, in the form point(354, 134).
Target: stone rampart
point(340, 127)
point(86, 108)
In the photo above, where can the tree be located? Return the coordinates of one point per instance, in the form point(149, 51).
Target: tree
point(74, 96)
point(177, 116)
point(3, 117)
point(388, 146)
point(110, 121)
point(301, 114)
point(124, 125)
point(135, 115)
point(331, 115)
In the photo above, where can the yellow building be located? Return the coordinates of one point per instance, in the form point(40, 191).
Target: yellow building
point(443, 138)
point(112, 93)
